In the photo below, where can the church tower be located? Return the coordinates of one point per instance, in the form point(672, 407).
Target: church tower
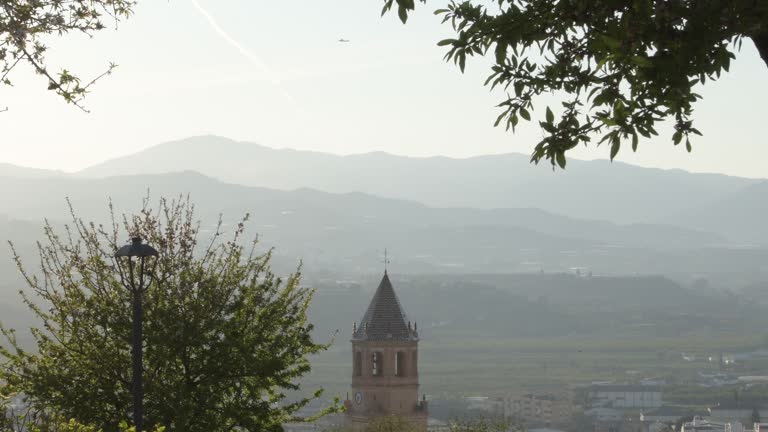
point(385, 358)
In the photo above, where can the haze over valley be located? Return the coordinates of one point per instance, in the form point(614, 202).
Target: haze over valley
point(495, 216)
point(515, 254)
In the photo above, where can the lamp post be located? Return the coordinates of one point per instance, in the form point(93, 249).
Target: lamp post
point(132, 260)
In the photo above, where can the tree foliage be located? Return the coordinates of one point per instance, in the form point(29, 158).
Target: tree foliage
point(392, 424)
point(486, 425)
point(621, 66)
point(26, 25)
point(225, 338)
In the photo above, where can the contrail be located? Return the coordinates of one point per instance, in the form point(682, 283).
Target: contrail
point(253, 58)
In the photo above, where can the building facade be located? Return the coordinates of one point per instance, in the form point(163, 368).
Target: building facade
point(538, 409)
point(625, 396)
point(385, 364)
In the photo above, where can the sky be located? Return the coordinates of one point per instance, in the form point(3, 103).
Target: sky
point(274, 73)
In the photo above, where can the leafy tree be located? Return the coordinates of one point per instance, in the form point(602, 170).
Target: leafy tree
point(621, 65)
point(486, 425)
point(225, 338)
point(25, 25)
point(5, 402)
point(392, 424)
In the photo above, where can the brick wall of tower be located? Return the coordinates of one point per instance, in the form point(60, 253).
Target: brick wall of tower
point(388, 393)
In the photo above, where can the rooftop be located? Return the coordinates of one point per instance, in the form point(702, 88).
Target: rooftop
point(625, 388)
point(385, 319)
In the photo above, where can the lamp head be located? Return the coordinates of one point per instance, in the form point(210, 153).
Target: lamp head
point(136, 249)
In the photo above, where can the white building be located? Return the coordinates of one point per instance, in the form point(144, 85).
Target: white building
point(625, 396)
point(484, 403)
point(701, 425)
point(538, 409)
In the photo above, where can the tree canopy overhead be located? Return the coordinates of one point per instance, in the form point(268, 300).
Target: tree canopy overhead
point(26, 25)
point(225, 339)
point(622, 66)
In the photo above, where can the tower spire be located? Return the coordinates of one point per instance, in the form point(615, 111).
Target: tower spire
point(386, 260)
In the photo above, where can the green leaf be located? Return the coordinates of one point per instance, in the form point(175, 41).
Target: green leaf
point(677, 137)
point(603, 61)
point(402, 12)
point(688, 145)
point(387, 7)
point(642, 61)
point(499, 118)
point(501, 52)
point(445, 42)
point(550, 116)
point(548, 127)
point(615, 145)
point(634, 141)
point(611, 42)
point(561, 159)
point(519, 88)
point(525, 114)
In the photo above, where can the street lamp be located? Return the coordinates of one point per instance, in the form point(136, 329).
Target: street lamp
point(132, 264)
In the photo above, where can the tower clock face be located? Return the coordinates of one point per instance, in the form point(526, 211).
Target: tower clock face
point(358, 398)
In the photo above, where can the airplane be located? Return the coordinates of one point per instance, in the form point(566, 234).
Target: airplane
point(342, 40)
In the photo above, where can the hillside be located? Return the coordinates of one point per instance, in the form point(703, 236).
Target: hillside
point(597, 190)
point(346, 232)
point(9, 170)
point(740, 216)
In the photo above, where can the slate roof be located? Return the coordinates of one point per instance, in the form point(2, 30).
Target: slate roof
point(385, 319)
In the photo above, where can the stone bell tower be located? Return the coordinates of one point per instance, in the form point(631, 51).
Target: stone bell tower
point(385, 358)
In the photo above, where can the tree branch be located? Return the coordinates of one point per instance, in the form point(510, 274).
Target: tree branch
point(761, 42)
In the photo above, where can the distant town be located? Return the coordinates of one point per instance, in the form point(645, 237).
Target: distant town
point(719, 391)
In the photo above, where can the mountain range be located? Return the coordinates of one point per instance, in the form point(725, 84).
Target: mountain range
point(489, 213)
point(346, 232)
point(598, 190)
point(482, 250)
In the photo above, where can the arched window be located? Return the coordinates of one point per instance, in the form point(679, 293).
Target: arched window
point(400, 369)
point(377, 364)
point(358, 363)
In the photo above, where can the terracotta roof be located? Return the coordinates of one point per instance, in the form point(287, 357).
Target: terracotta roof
point(385, 318)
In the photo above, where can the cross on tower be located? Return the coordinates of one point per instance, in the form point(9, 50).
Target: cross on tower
point(386, 260)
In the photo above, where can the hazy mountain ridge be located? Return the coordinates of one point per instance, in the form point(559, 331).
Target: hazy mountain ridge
point(346, 232)
point(10, 170)
point(597, 190)
point(740, 215)
point(37, 198)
